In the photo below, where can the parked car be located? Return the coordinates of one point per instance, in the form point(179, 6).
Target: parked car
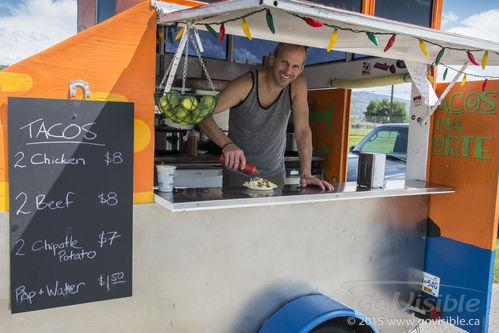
point(389, 139)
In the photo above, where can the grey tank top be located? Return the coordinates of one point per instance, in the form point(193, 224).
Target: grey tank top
point(261, 132)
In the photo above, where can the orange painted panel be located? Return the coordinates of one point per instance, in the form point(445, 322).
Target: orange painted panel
point(329, 121)
point(464, 153)
point(117, 59)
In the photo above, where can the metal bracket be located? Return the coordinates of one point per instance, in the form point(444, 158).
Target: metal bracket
point(446, 91)
point(79, 83)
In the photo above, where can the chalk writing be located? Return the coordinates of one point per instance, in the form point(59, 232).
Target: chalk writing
point(38, 128)
point(21, 242)
point(71, 255)
point(108, 237)
point(64, 290)
point(110, 198)
point(71, 183)
point(115, 158)
point(24, 296)
point(44, 245)
point(41, 204)
point(109, 280)
point(24, 198)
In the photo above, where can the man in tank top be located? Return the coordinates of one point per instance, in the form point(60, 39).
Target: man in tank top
point(260, 105)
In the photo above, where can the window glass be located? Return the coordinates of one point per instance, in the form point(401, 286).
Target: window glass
point(253, 50)
point(318, 56)
point(353, 5)
point(360, 56)
point(409, 11)
point(382, 141)
point(105, 9)
point(210, 45)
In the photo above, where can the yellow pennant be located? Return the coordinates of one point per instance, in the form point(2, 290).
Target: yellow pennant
point(332, 41)
point(246, 28)
point(180, 33)
point(422, 45)
point(430, 77)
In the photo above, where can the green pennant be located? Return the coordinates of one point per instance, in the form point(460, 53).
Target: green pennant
point(445, 73)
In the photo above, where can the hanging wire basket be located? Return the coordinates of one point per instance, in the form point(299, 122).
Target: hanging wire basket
point(187, 109)
point(180, 109)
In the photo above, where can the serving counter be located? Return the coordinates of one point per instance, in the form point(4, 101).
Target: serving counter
point(214, 198)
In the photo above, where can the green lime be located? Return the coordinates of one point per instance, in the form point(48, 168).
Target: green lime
point(189, 103)
point(173, 98)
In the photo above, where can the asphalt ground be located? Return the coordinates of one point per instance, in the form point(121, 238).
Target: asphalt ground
point(440, 327)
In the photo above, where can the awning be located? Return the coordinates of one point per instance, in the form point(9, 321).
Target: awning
point(288, 17)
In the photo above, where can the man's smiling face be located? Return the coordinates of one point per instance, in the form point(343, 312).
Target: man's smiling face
point(287, 64)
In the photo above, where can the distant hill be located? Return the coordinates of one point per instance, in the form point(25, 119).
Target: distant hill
point(361, 99)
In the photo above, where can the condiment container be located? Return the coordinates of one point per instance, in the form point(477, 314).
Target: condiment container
point(249, 169)
point(192, 143)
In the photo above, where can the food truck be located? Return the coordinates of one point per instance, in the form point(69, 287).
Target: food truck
point(91, 245)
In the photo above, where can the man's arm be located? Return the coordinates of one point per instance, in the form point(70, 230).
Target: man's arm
point(303, 134)
point(233, 94)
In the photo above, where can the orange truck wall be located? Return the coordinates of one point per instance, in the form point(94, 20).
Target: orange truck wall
point(117, 59)
point(329, 121)
point(464, 153)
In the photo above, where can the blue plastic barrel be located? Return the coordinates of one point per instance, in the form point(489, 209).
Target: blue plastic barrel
point(318, 312)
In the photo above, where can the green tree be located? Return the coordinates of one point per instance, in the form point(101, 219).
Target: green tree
point(379, 112)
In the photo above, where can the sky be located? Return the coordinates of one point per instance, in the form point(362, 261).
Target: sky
point(30, 26)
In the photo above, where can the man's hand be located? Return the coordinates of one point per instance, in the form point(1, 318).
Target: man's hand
point(324, 185)
point(234, 157)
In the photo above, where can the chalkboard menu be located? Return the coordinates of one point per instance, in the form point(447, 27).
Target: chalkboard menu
point(70, 188)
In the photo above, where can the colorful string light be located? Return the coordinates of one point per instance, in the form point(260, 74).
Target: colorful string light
point(439, 56)
point(422, 46)
point(211, 30)
point(472, 58)
point(221, 34)
point(161, 35)
point(484, 59)
point(313, 23)
point(371, 35)
point(430, 77)
point(390, 43)
point(245, 27)
point(484, 85)
point(270, 20)
point(332, 41)
point(372, 38)
point(179, 34)
point(170, 35)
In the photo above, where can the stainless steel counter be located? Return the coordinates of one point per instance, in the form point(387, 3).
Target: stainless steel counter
point(218, 198)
